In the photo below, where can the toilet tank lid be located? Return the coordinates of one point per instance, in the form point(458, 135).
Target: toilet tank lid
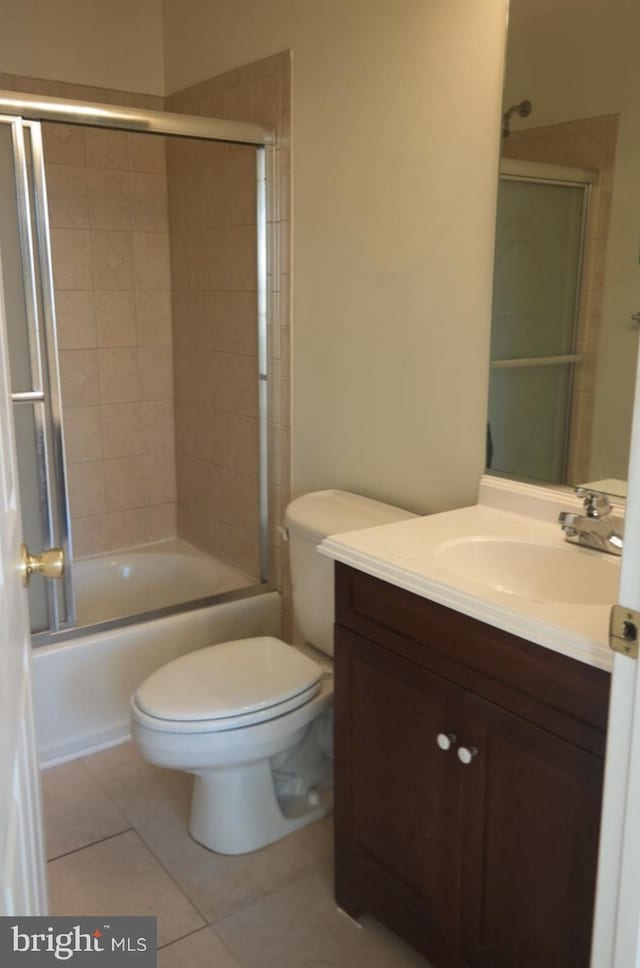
point(321, 513)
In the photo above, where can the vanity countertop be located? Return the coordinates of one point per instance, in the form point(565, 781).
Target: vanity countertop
point(457, 559)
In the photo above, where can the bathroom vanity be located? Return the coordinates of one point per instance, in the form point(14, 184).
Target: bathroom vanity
point(469, 762)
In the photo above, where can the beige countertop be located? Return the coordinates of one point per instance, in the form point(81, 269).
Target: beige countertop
point(510, 570)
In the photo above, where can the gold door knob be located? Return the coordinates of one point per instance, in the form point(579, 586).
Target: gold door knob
point(50, 564)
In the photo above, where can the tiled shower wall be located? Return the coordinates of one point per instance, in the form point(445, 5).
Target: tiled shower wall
point(109, 235)
point(116, 438)
point(212, 217)
point(213, 258)
point(107, 195)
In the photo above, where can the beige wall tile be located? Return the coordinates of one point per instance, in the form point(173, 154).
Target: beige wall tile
point(187, 441)
point(240, 199)
point(241, 252)
point(148, 202)
point(191, 319)
point(159, 522)
point(68, 197)
point(112, 259)
point(155, 367)
point(265, 102)
point(125, 529)
point(90, 535)
point(75, 319)
point(240, 504)
point(106, 148)
point(237, 102)
point(210, 435)
point(82, 434)
point(121, 429)
point(159, 479)
point(210, 256)
point(234, 383)
point(147, 152)
point(86, 488)
point(79, 377)
point(109, 204)
point(125, 486)
point(64, 144)
point(153, 317)
point(157, 428)
point(151, 260)
point(115, 318)
point(98, 307)
point(232, 322)
point(71, 259)
point(118, 375)
point(241, 446)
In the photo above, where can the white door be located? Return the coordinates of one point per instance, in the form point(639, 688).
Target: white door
point(21, 838)
point(616, 941)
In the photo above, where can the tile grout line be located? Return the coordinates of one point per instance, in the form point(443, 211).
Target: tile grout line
point(207, 923)
point(93, 843)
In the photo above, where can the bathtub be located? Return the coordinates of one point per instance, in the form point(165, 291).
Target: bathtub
point(147, 578)
point(82, 686)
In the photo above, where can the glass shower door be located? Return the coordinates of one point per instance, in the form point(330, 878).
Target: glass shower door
point(25, 269)
point(539, 247)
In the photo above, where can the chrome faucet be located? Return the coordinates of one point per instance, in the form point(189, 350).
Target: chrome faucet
point(595, 528)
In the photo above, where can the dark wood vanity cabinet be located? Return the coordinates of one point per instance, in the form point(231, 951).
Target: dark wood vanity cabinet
point(489, 862)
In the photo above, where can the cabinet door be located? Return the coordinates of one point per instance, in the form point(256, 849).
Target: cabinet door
point(397, 792)
point(531, 811)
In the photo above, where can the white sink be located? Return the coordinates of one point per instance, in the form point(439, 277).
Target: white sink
point(533, 570)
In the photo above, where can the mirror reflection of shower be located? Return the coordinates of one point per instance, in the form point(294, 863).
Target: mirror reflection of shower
point(523, 110)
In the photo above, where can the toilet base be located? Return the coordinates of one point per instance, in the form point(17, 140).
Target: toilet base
point(235, 810)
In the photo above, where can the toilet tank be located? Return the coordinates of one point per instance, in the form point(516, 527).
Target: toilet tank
point(309, 519)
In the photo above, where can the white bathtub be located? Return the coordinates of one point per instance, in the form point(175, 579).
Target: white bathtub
point(82, 686)
point(146, 578)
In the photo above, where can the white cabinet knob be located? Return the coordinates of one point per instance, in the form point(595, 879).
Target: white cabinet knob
point(466, 754)
point(446, 740)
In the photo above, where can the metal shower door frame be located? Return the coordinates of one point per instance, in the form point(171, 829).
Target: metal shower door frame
point(28, 111)
point(43, 394)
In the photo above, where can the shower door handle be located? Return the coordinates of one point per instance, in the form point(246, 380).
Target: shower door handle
point(50, 564)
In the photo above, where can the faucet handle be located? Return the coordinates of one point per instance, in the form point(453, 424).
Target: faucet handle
point(596, 503)
point(567, 520)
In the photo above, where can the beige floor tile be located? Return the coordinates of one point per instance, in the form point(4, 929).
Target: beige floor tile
point(77, 812)
point(120, 876)
point(300, 926)
point(156, 803)
point(200, 950)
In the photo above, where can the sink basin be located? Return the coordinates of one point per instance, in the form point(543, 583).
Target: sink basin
point(533, 570)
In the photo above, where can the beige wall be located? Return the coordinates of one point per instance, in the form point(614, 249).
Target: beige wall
point(106, 43)
point(395, 112)
point(588, 52)
point(395, 146)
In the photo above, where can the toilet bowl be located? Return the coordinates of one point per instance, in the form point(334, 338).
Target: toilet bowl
point(252, 718)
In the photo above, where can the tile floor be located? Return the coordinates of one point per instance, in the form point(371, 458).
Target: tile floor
point(117, 844)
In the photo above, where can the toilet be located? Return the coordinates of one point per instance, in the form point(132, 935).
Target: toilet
point(252, 718)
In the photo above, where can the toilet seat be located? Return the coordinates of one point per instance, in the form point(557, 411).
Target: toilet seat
point(228, 686)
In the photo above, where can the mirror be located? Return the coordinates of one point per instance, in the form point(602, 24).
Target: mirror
point(566, 307)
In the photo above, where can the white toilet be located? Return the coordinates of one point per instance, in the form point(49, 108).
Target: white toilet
point(252, 718)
